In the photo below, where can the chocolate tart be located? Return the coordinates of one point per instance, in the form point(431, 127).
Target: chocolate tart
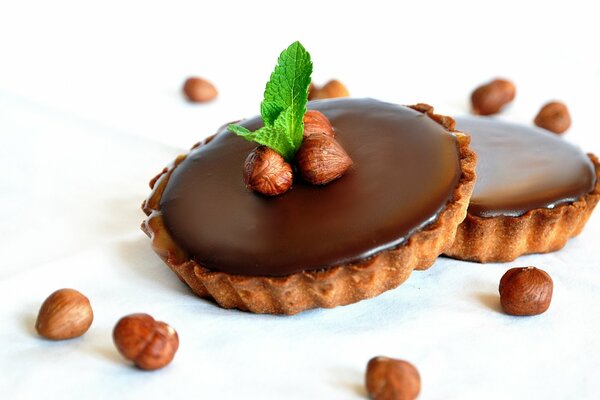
point(534, 192)
point(396, 210)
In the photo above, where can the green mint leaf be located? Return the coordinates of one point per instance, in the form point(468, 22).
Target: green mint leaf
point(285, 122)
point(287, 91)
point(270, 136)
point(239, 130)
point(284, 103)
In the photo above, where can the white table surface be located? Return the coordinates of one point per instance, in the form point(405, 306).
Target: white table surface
point(90, 110)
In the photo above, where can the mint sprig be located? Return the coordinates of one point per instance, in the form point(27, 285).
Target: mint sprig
point(284, 105)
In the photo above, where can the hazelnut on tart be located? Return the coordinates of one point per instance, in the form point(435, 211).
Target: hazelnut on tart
point(394, 210)
point(534, 192)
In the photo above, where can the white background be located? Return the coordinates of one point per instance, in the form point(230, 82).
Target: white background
point(90, 110)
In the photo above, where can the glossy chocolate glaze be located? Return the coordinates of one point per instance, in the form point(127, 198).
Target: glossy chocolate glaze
point(521, 167)
point(406, 168)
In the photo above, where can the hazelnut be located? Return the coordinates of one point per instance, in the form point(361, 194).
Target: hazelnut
point(525, 291)
point(311, 90)
point(330, 90)
point(65, 314)
point(150, 344)
point(554, 117)
point(321, 159)
point(267, 172)
point(316, 122)
point(391, 379)
point(199, 90)
point(490, 98)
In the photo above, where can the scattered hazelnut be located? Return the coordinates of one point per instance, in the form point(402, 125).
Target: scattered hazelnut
point(490, 98)
point(391, 379)
point(321, 159)
point(316, 122)
point(330, 90)
point(65, 314)
point(199, 90)
point(554, 117)
point(267, 172)
point(525, 291)
point(150, 344)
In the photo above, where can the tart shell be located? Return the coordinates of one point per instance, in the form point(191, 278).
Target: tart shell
point(541, 230)
point(337, 285)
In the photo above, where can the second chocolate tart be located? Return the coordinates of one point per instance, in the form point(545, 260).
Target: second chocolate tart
point(534, 191)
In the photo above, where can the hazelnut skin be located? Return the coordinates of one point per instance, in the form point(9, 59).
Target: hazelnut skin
point(489, 99)
point(321, 159)
point(330, 90)
point(198, 90)
point(267, 172)
point(150, 344)
point(391, 379)
point(316, 122)
point(65, 314)
point(525, 291)
point(554, 116)
point(311, 91)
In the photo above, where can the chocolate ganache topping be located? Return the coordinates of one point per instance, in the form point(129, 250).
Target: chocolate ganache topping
point(406, 167)
point(521, 168)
